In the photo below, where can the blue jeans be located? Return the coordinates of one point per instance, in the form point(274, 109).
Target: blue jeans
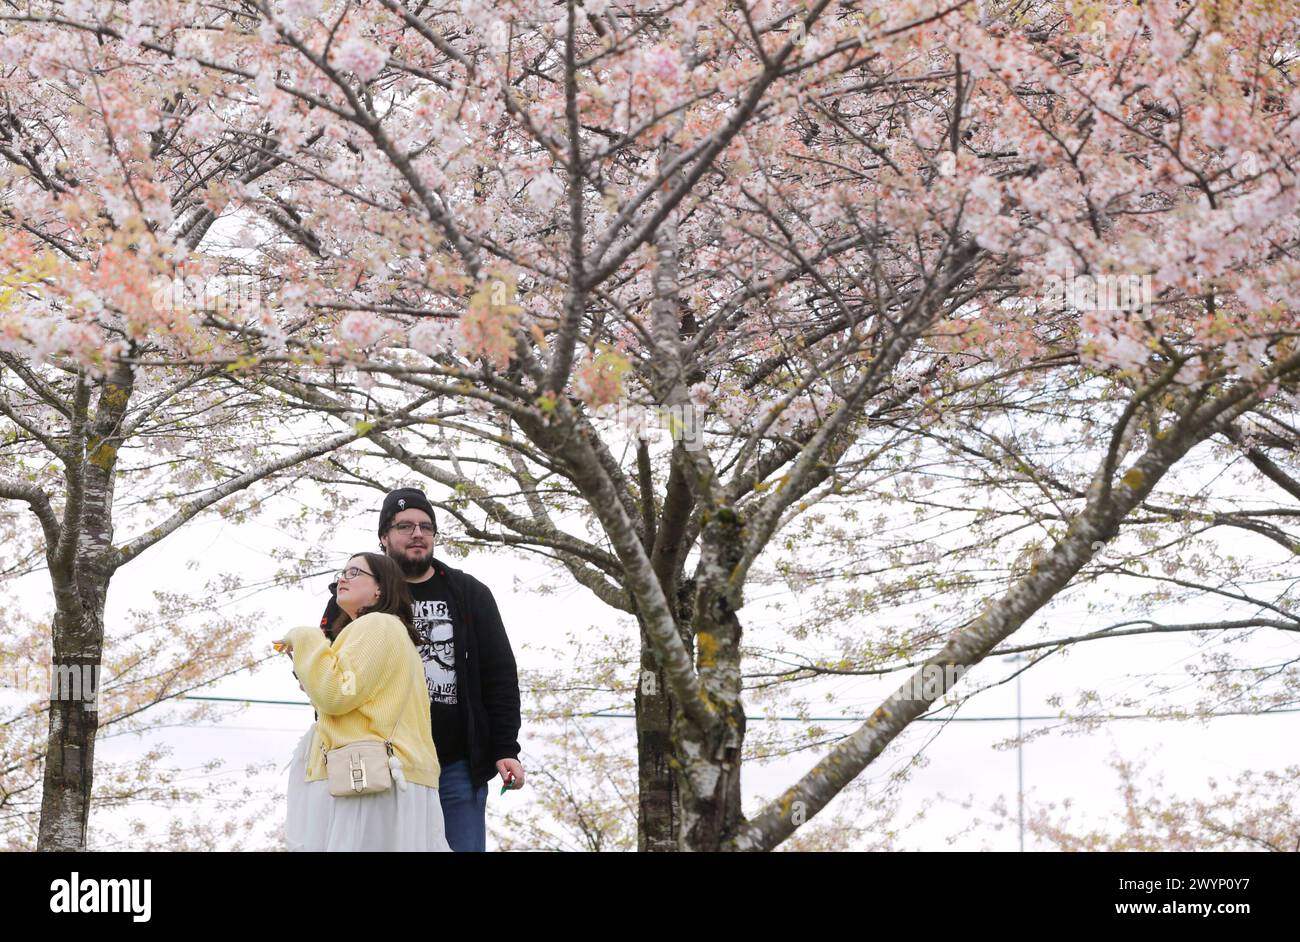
point(464, 808)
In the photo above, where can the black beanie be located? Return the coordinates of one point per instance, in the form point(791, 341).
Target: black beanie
point(405, 498)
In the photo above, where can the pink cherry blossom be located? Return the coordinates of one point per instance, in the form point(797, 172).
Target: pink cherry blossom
point(203, 126)
point(363, 59)
point(546, 190)
point(361, 328)
point(433, 336)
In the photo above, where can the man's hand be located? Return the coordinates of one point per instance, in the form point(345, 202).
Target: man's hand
point(507, 767)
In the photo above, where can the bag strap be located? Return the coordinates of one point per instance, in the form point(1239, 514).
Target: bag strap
point(388, 743)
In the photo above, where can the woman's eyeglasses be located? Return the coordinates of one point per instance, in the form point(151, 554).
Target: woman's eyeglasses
point(351, 573)
point(406, 529)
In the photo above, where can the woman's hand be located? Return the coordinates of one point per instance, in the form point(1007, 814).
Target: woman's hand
point(285, 646)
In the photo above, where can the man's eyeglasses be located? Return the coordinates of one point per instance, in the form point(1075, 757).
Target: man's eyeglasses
point(406, 529)
point(351, 573)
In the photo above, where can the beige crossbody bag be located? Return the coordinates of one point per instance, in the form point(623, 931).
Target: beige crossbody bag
point(364, 767)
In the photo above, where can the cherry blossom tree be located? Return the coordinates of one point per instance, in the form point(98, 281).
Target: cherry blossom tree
point(831, 247)
point(93, 442)
point(90, 456)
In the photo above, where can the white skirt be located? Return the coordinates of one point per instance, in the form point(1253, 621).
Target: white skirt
point(402, 820)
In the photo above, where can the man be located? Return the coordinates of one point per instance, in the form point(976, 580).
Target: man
point(468, 665)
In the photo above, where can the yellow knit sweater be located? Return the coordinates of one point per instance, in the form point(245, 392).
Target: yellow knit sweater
point(368, 684)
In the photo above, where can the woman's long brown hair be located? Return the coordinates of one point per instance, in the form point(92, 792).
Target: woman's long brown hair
point(394, 595)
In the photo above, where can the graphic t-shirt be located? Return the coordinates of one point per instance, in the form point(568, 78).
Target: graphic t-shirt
point(432, 616)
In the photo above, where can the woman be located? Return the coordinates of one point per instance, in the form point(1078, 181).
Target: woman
point(367, 683)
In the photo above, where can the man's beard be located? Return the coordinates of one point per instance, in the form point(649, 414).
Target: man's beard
point(413, 565)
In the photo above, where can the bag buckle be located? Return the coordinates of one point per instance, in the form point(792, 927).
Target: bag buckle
point(358, 769)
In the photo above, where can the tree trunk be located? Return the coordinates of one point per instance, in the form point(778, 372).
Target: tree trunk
point(710, 779)
point(711, 805)
point(659, 814)
point(658, 808)
point(74, 721)
point(81, 565)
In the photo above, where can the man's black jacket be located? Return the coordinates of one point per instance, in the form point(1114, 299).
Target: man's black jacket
point(486, 678)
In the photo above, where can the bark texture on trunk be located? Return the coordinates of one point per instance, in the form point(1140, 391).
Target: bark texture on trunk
point(658, 808)
point(711, 797)
point(81, 564)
